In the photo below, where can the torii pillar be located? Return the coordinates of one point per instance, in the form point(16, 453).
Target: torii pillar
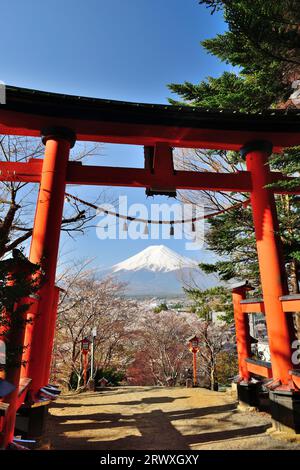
point(246, 391)
point(44, 251)
point(243, 340)
point(273, 276)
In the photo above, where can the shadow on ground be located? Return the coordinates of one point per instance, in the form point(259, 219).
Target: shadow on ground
point(154, 429)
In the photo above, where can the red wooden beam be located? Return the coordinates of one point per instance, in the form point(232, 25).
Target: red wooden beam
point(12, 123)
point(29, 172)
point(291, 306)
point(23, 388)
point(135, 177)
point(259, 368)
point(29, 112)
point(139, 177)
point(290, 303)
point(77, 173)
point(253, 306)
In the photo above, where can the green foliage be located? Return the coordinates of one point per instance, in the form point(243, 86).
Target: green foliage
point(226, 367)
point(261, 34)
point(288, 163)
point(229, 91)
point(263, 41)
point(231, 236)
point(160, 308)
point(215, 299)
point(112, 375)
point(17, 283)
point(178, 305)
point(289, 219)
point(73, 381)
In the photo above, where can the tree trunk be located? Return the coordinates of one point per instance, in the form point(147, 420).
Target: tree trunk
point(212, 378)
point(78, 381)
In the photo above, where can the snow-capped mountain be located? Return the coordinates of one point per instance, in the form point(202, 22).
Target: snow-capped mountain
point(155, 258)
point(159, 271)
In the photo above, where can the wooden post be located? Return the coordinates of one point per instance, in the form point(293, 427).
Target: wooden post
point(242, 331)
point(44, 250)
point(272, 271)
point(195, 368)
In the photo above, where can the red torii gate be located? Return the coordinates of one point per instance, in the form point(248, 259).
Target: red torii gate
point(63, 119)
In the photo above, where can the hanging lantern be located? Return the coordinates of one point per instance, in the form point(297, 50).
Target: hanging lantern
point(193, 227)
point(146, 230)
point(125, 227)
point(193, 344)
point(172, 230)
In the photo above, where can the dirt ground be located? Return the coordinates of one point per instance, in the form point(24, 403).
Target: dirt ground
point(158, 418)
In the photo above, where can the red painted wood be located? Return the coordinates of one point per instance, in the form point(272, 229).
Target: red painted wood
point(137, 177)
point(253, 307)
point(44, 250)
point(29, 172)
point(18, 123)
point(258, 369)
point(242, 331)
point(272, 273)
point(291, 306)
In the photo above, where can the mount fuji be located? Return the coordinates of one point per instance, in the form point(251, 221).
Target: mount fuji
point(160, 271)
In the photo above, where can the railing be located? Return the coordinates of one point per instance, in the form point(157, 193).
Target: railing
point(290, 303)
point(253, 306)
point(295, 376)
point(261, 368)
point(23, 388)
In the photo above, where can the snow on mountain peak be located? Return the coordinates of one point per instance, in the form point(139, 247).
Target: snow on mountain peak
point(157, 258)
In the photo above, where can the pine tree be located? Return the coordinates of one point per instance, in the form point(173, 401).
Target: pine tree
point(263, 41)
point(210, 301)
point(18, 282)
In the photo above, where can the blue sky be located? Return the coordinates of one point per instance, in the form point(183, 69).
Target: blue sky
point(119, 49)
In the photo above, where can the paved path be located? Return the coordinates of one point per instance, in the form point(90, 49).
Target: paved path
point(157, 418)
